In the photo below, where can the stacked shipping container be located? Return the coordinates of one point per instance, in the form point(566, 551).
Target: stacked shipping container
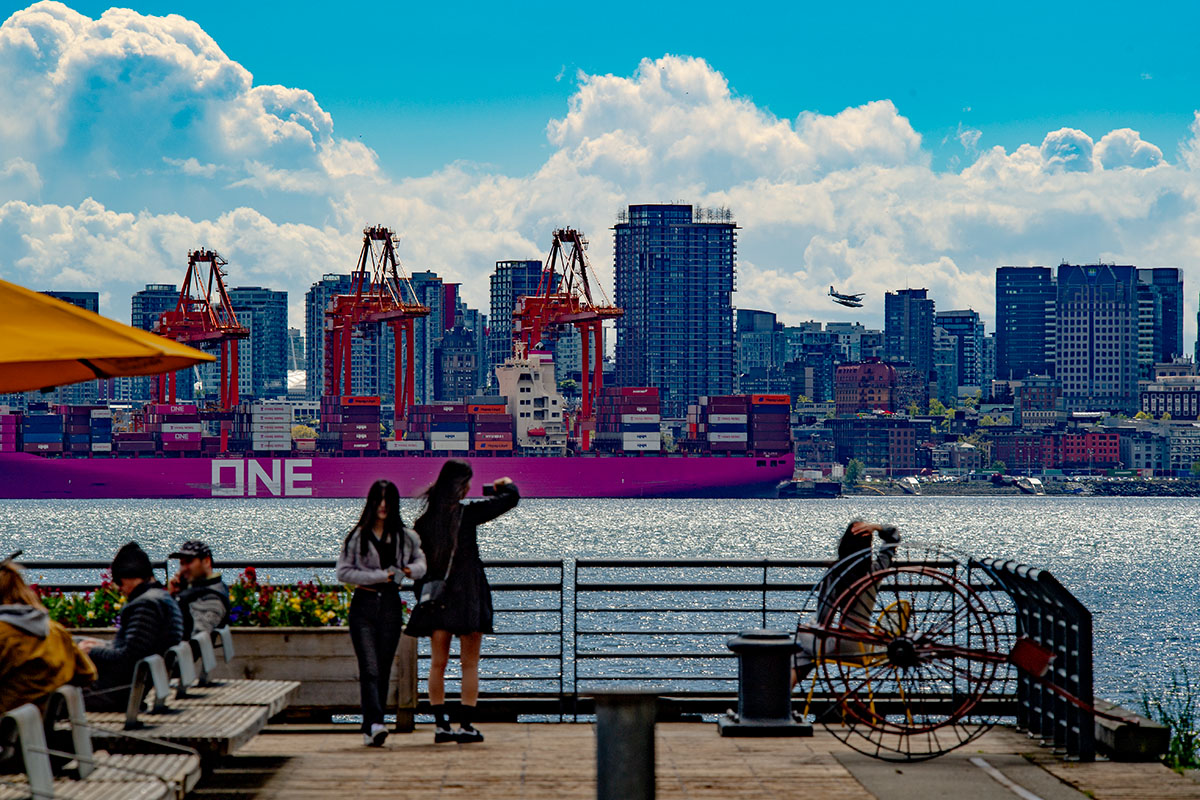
point(350, 424)
point(267, 428)
point(491, 425)
point(173, 427)
point(42, 432)
point(628, 419)
point(770, 422)
point(737, 423)
point(10, 433)
point(100, 429)
point(444, 427)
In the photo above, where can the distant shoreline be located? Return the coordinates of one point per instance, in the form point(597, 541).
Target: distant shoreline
point(1110, 488)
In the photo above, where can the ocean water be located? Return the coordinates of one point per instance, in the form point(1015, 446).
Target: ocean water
point(1133, 562)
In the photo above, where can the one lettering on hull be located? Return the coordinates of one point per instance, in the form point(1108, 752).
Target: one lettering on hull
point(265, 477)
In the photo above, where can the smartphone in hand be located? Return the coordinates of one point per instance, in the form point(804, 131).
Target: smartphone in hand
point(489, 489)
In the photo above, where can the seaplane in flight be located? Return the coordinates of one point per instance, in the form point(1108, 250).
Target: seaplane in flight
point(847, 300)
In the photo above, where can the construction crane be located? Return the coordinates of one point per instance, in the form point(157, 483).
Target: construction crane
point(380, 292)
point(206, 321)
point(564, 297)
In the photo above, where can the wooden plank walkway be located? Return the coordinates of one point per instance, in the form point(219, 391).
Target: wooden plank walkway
point(545, 761)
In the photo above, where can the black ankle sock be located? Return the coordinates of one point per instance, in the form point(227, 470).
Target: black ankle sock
point(439, 716)
point(466, 715)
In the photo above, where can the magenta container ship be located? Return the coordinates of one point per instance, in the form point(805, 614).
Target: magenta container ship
point(30, 476)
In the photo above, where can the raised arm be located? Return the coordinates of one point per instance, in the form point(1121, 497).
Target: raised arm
point(482, 511)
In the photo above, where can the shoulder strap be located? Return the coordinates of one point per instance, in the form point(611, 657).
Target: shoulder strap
point(454, 547)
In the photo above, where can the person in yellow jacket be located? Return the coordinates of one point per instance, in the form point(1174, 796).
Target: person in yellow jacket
point(37, 655)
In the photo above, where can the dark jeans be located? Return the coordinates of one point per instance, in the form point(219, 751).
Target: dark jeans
point(375, 627)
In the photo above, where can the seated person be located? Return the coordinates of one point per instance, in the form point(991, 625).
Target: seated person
point(149, 624)
point(202, 595)
point(836, 587)
point(37, 655)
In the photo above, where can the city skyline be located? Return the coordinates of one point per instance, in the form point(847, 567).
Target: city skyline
point(858, 184)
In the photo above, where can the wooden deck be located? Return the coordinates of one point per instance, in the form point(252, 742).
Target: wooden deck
point(554, 761)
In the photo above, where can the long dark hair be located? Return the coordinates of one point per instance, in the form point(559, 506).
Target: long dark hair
point(442, 514)
point(848, 573)
point(386, 492)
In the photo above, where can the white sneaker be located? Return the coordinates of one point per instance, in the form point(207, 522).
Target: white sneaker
point(367, 740)
point(378, 734)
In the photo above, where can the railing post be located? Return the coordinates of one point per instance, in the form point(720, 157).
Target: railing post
point(406, 685)
point(625, 746)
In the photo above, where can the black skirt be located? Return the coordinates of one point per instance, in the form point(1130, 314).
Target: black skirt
point(466, 606)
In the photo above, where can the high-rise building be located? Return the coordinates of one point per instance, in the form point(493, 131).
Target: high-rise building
point(295, 357)
point(1025, 318)
point(760, 341)
point(965, 326)
point(987, 363)
point(455, 365)
point(1161, 290)
point(264, 312)
point(1096, 349)
point(510, 280)
point(947, 365)
point(146, 308)
point(908, 328)
point(427, 331)
point(316, 300)
point(88, 301)
point(674, 268)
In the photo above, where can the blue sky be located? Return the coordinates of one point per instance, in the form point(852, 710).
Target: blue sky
point(430, 83)
point(871, 146)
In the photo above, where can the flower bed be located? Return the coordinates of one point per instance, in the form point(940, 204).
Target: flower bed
point(307, 604)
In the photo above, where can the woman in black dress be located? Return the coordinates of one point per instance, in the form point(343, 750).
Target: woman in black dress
point(448, 538)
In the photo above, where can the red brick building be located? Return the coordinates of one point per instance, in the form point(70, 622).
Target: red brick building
point(867, 386)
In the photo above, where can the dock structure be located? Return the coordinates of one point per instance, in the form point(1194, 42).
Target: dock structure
point(550, 760)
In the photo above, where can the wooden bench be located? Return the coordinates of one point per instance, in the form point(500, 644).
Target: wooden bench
point(24, 731)
point(196, 688)
point(213, 731)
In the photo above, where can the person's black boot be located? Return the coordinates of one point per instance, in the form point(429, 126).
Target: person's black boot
point(441, 729)
point(467, 733)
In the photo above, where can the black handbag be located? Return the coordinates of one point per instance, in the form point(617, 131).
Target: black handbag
point(433, 592)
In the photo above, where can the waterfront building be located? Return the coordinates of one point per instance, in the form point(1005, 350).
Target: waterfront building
point(674, 268)
point(263, 357)
point(1037, 401)
point(867, 386)
point(912, 386)
point(1176, 367)
point(510, 280)
point(908, 328)
point(811, 372)
point(967, 328)
point(1026, 298)
point(987, 363)
point(1143, 448)
point(295, 354)
point(1097, 335)
point(957, 456)
point(1183, 447)
point(476, 323)
point(887, 443)
point(88, 301)
point(1178, 396)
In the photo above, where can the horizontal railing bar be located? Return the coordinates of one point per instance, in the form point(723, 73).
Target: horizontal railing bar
point(742, 563)
point(634, 656)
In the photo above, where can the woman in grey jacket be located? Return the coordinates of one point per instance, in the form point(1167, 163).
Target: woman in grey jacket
point(375, 557)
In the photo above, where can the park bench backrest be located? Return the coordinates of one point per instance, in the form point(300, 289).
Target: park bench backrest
point(226, 635)
point(151, 671)
point(23, 726)
point(208, 656)
point(181, 663)
point(81, 737)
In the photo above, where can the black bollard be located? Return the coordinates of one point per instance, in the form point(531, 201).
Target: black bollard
point(625, 746)
point(764, 688)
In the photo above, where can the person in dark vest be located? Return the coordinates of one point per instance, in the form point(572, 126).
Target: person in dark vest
point(201, 593)
point(448, 537)
point(149, 624)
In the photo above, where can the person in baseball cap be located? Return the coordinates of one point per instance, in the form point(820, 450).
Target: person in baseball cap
point(201, 592)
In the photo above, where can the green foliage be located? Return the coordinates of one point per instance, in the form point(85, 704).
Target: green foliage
point(252, 604)
point(303, 432)
point(1196, 469)
point(999, 466)
point(986, 421)
point(936, 409)
point(1142, 415)
point(568, 386)
point(913, 409)
point(1165, 417)
point(854, 472)
point(1179, 710)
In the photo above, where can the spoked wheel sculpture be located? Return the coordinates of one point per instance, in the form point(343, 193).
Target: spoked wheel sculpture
point(908, 647)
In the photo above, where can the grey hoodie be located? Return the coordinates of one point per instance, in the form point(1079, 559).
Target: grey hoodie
point(364, 570)
point(34, 621)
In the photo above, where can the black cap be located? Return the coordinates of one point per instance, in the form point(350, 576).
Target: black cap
point(131, 561)
point(193, 548)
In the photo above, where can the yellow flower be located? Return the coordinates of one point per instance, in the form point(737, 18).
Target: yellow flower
point(91, 614)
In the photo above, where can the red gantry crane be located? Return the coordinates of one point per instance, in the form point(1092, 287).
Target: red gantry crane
point(565, 298)
point(205, 321)
point(380, 291)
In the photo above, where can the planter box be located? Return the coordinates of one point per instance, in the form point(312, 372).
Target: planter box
point(322, 659)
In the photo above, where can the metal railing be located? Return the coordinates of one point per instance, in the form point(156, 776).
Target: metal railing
point(564, 629)
point(1050, 615)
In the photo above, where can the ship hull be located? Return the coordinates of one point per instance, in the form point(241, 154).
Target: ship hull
point(27, 476)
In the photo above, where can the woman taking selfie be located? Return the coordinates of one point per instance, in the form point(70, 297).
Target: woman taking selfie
point(463, 605)
point(375, 556)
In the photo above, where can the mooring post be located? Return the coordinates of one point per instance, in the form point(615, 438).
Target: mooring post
point(625, 745)
point(764, 687)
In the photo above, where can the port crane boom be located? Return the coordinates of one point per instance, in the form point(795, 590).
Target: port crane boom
point(203, 320)
point(567, 296)
point(380, 292)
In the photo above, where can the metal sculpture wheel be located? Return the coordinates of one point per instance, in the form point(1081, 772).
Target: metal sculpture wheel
point(907, 646)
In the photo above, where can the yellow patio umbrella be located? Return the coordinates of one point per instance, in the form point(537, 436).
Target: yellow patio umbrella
point(45, 342)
